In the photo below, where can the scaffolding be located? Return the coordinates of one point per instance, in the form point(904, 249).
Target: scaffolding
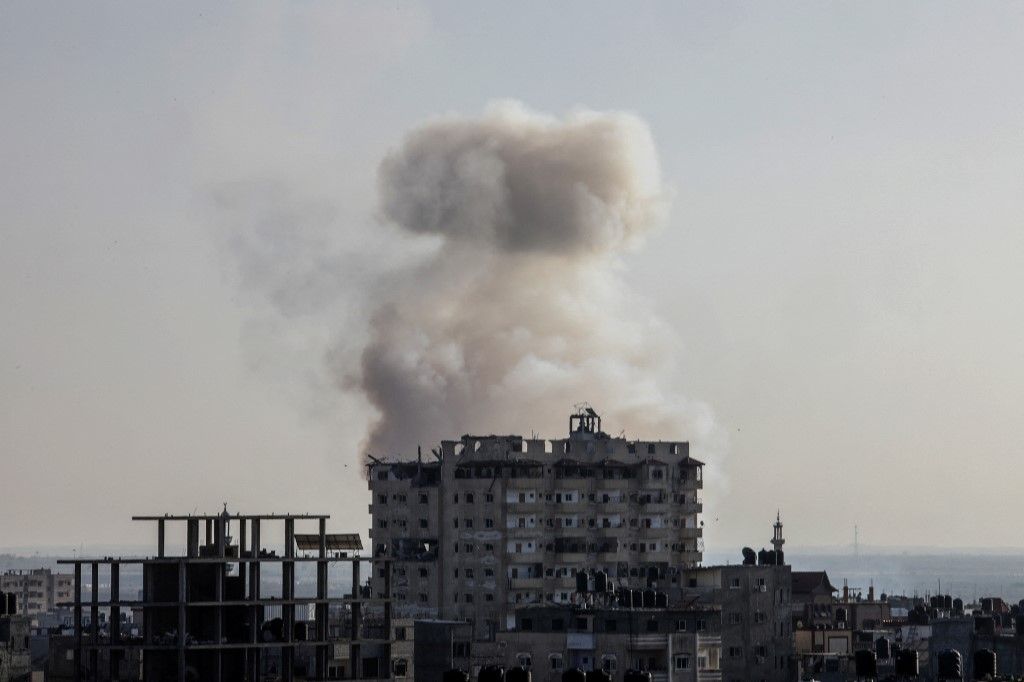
point(205, 618)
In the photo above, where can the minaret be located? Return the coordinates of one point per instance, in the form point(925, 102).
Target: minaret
point(778, 541)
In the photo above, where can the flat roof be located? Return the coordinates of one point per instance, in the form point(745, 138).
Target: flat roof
point(334, 541)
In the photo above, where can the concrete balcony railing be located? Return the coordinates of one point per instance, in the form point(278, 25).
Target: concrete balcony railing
point(523, 483)
point(525, 583)
point(691, 533)
point(649, 642)
point(657, 555)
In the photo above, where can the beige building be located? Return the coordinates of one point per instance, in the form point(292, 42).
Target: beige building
point(491, 524)
point(38, 590)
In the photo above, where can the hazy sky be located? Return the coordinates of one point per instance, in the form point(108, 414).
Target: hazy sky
point(189, 219)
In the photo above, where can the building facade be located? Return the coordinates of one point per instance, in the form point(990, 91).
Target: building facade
point(673, 644)
point(492, 524)
point(756, 630)
point(38, 590)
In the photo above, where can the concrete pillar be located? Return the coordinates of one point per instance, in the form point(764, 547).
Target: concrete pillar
point(78, 622)
point(242, 536)
point(94, 617)
point(322, 650)
point(115, 618)
point(288, 594)
point(355, 650)
point(182, 596)
point(192, 541)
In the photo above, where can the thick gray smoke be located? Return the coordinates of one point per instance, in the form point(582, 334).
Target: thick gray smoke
point(519, 310)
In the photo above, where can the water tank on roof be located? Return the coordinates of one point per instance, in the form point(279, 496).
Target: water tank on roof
point(574, 675)
point(984, 625)
point(625, 598)
point(907, 664)
point(600, 581)
point(883, 649)
point(661, 600)
point(518, 674)
point(950, 665)
point(581, 581)
point(947, 602)
point(455, 675)
point(958, 605)
point(749, 557)
point(986, 605)
point(762, 557)
point(865, 663)
point(491, 673)
point(984, 664)
point(650, 599)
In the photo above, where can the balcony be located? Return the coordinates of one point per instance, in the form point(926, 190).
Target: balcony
point(691, 533)
point(648, 642)
point(525, 583)
point(522, 483)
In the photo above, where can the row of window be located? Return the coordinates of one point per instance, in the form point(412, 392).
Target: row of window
point(528, 547)
point(609, 663)
point(612, 624)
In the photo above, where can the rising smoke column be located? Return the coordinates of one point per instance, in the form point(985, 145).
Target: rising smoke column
point(519, 310)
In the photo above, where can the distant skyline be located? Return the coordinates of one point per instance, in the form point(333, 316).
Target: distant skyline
point(192, 248)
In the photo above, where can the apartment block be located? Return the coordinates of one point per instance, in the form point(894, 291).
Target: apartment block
point(38, 590)
point(756, 629)
point(489, 524)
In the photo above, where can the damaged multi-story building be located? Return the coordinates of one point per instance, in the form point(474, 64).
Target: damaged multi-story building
point(490, 524)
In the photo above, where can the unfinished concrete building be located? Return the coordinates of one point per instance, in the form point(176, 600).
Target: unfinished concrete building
point(212, 614)
point(491, 524)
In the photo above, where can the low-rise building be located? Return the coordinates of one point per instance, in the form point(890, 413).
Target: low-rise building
point(756, 626)
point(15, 659)
point(673, 644)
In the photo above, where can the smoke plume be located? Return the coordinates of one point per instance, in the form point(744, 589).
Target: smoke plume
point(519, 310)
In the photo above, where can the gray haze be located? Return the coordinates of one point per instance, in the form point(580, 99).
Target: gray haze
point(196, 254)
point(518, 310)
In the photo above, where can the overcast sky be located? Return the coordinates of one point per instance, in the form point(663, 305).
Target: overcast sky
point(841, 268)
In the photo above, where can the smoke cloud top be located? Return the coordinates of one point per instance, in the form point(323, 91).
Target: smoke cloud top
point(519, 309)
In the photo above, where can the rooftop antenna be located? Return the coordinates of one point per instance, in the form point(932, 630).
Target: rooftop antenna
point(856, 544)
